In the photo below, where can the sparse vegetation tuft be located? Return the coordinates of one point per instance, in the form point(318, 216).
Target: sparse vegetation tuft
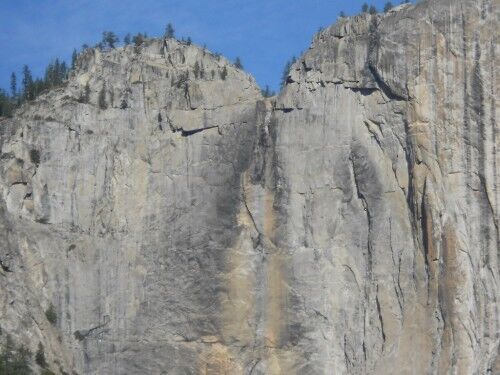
point(40, 356)
point(78, 335)
point(14, 360)
point(238, 64)
point(51, 314)
point(223, 73)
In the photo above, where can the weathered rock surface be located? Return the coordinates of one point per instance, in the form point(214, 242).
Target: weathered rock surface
point(181, 224)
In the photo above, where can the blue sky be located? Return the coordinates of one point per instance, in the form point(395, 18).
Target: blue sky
point(264, 33)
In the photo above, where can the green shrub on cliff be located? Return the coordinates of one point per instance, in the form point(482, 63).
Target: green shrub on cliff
point(14, 360)
point(51, 315)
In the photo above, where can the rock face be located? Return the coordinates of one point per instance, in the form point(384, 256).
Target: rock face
point(179, 223)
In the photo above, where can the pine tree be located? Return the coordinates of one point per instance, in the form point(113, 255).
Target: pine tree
point(342, 14)
point(109, 39)
point(13, 85)
point(27, 83)
point(49, 75)
point(286, 71)
point(169, 31)
point(284, 75)
point(372, 10)
point(388, 6)
point(189, 41)
point(6, 107)
point(57, 73)
point(74, 56)
point(364, 8)
point(63, 72)
point(267, 93)
point(37, 87)
point(237, 63)
point(126, 40)
point(138, 39)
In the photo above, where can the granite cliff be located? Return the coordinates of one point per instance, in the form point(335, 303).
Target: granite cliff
point(177, 222)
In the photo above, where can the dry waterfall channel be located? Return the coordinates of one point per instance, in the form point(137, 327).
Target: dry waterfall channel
point(348, 225)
